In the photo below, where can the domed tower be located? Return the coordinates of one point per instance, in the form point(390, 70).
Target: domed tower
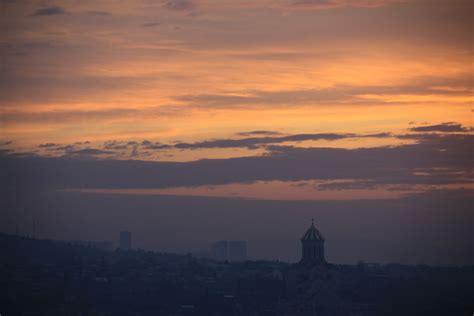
point(312, 244)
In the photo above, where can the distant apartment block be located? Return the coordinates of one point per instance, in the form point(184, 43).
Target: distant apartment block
point(125, 240)
point(220, 250)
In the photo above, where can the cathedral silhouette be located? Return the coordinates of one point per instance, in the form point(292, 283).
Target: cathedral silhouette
point(312, 244)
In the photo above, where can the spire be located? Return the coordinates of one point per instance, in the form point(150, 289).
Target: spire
point(312, 234)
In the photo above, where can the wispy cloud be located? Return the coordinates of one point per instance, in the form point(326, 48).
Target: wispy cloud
point(48, 145)
point(61, 116)
point(151, 24)
point(447, 127)
point(338, 94)
point(259, 133)
point(49, 11)
point(180, 5)
point(328, 4)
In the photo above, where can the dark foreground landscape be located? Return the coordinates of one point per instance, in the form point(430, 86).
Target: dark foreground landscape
point(41, 277)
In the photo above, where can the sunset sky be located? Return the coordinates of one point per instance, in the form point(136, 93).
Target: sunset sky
point(269, 99)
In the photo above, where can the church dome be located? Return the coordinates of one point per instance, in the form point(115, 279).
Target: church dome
point(312, 234)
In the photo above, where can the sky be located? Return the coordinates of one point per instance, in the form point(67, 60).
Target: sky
point(277, 106)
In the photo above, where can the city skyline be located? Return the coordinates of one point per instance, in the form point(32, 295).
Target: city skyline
point(241, 120)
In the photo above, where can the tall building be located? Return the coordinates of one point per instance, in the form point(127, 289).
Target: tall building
point(220, 250)
point(237, 250)
point(312, 244)
point(125, 240)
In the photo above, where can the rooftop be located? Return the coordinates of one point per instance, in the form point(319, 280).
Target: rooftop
point(312, 234)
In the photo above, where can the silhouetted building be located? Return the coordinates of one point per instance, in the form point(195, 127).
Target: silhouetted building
point(220, 250)
point(125, 240)
point(312, 244)
point(237, 250)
